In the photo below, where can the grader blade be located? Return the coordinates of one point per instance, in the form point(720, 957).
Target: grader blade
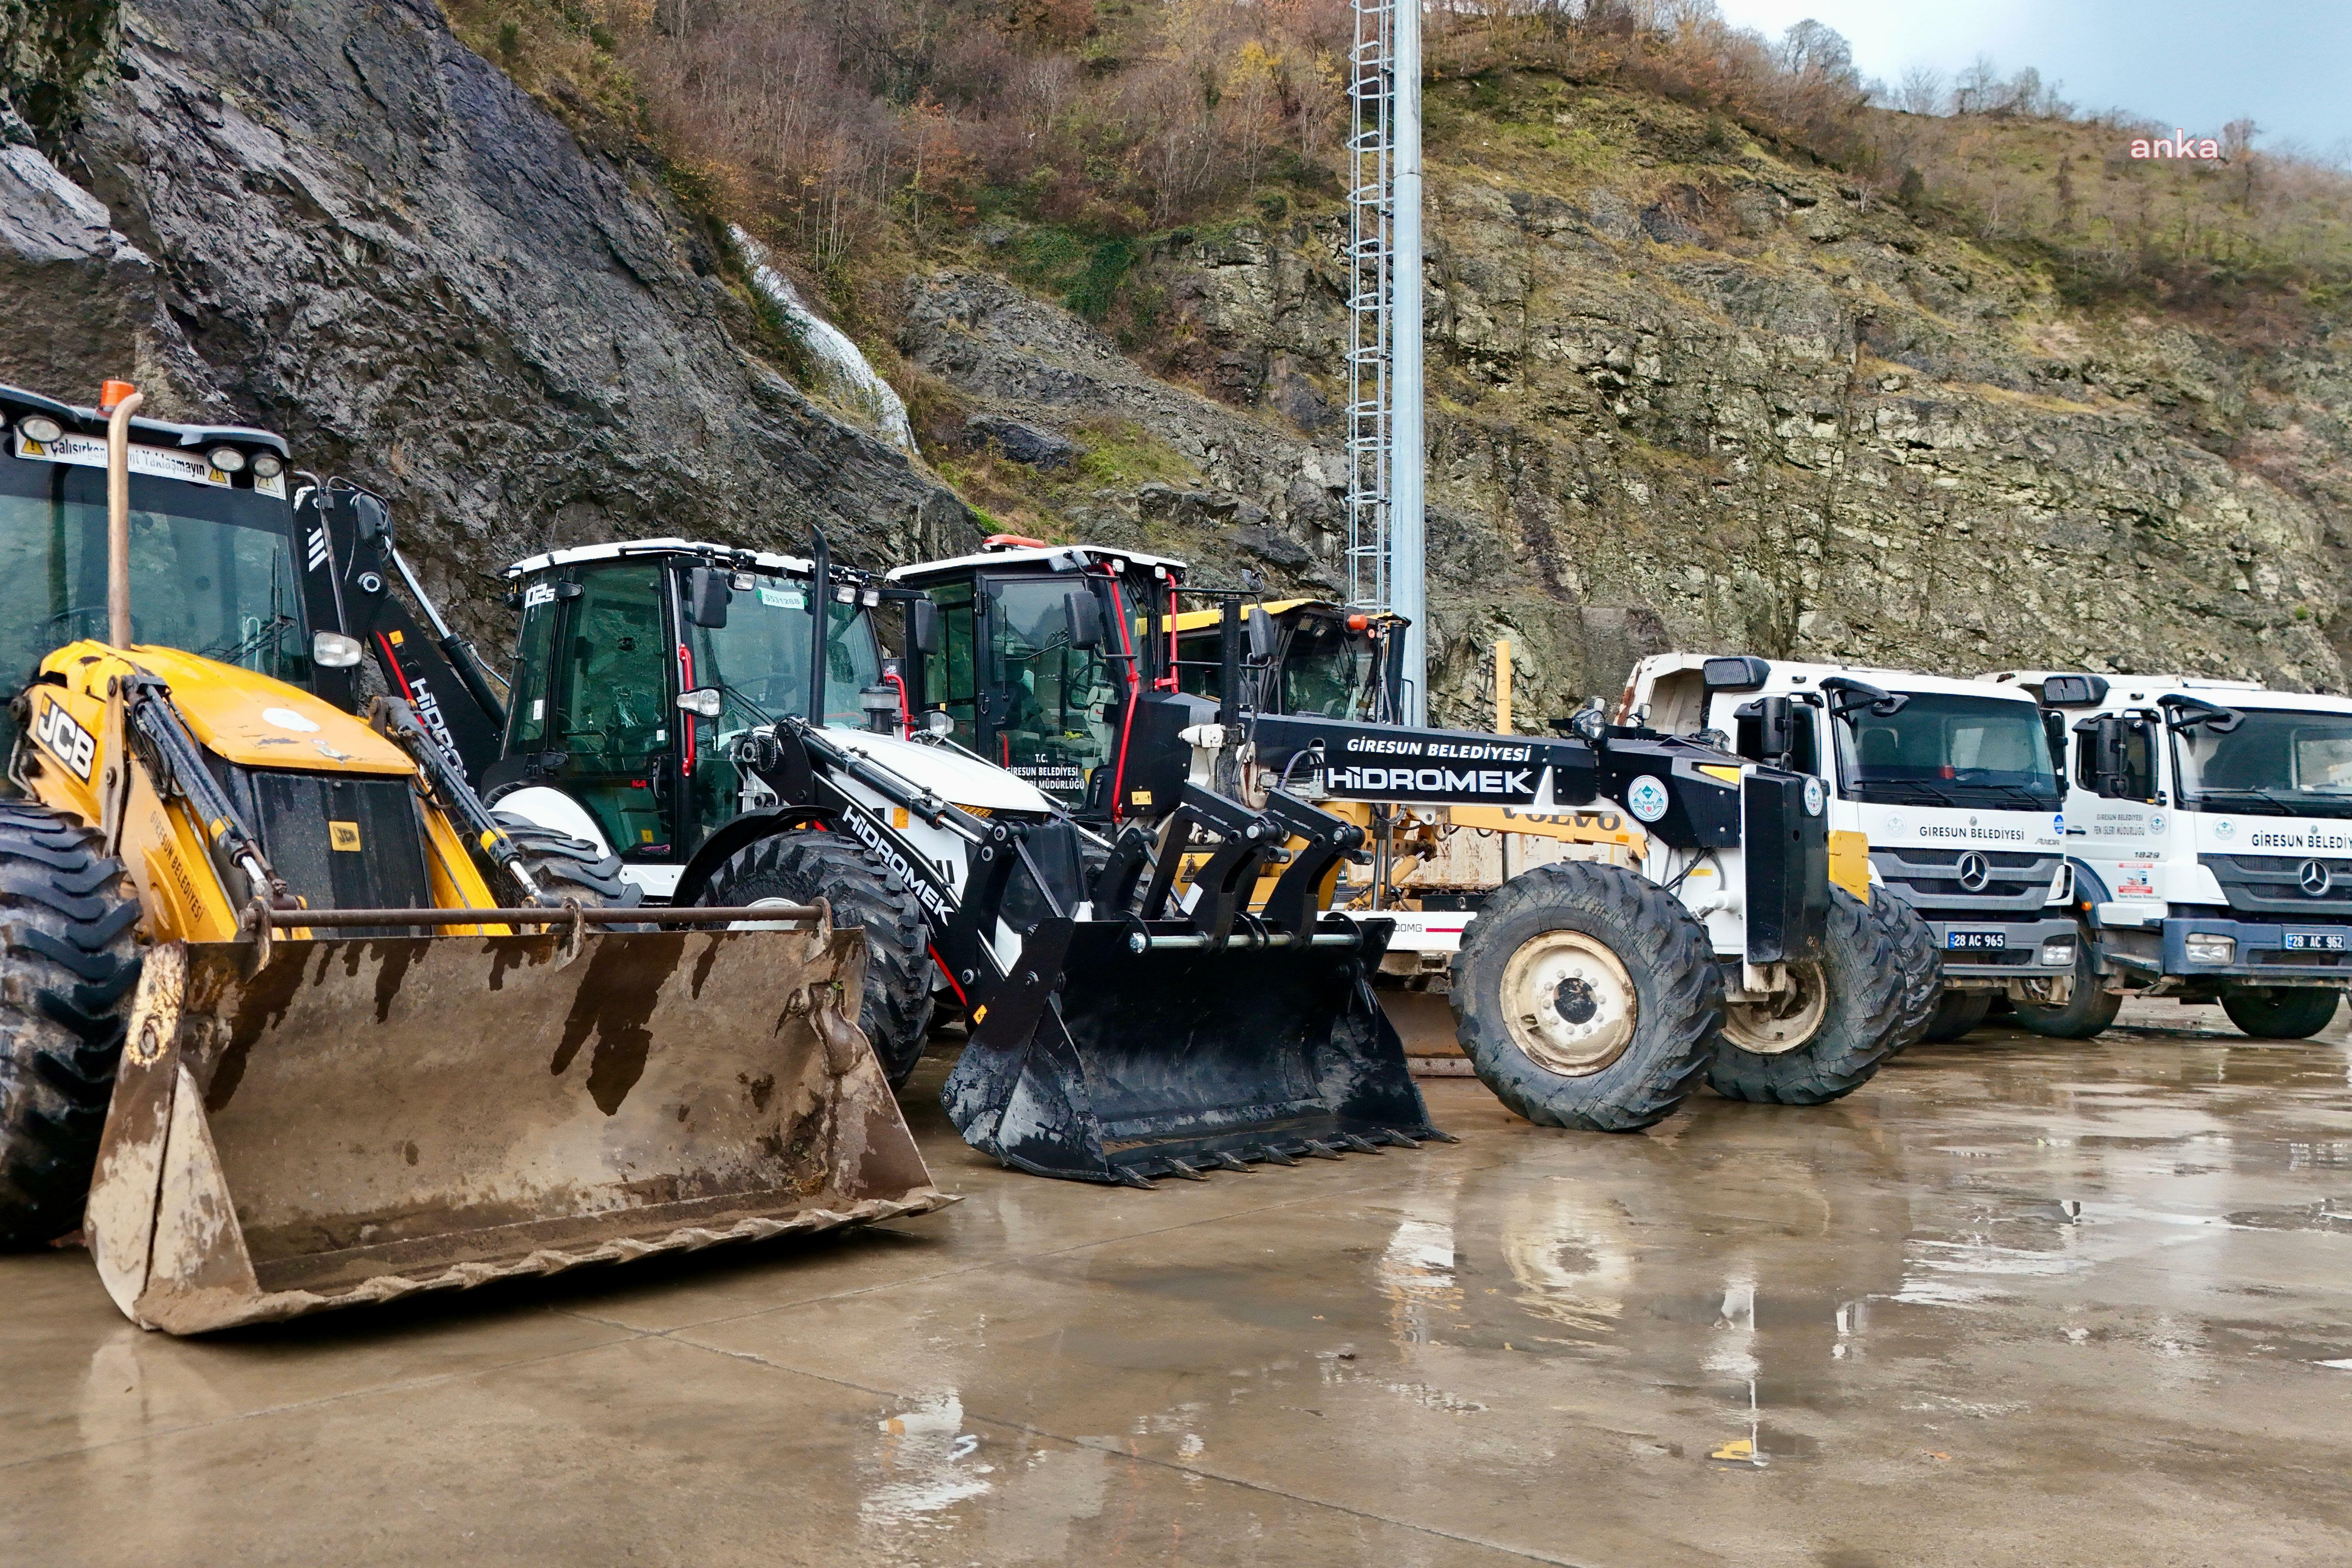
point(360, 1120)
point(1177, 1058)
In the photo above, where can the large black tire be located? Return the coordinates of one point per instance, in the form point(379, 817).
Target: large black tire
point(810, 864)
point(2280, 1012)
point(1558, 930)
point(566, 867)
point(1958, 1014)
point(2085, 1013)
point(1914, 944)
point(1859, 985)
point(68, 965)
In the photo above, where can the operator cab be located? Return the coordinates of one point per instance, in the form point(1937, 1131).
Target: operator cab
point(614, 634)
point(212, 567)
point(1044, 653)
point(1325, 660)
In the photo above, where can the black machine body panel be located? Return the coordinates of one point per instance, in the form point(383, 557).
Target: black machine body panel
point(1787, 863)
point(1362, 761)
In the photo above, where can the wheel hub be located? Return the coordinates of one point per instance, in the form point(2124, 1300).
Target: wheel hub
point(1568, 1002)
point(1784, 1021)
point(768, 903)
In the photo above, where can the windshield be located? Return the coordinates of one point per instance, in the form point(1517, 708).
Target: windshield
point(759, 659)
point(2276, 762)
point(212, 571)
point(1947, 750)
point(1329, 671)
point(1054, 728)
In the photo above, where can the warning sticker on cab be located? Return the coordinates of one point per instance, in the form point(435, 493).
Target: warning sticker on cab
point(90, 452)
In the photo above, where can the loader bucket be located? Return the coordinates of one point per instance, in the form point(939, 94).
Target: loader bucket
point(1172, 1062)
point(360, 1120)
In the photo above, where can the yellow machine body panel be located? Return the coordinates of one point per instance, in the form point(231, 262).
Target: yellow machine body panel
point(247, 719)
point(1850, 862)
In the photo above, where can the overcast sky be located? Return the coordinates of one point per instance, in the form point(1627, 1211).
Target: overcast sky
point(2286, 63)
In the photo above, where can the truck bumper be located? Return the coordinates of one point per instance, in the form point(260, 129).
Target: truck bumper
point(2018, 958)
point(2259, 952)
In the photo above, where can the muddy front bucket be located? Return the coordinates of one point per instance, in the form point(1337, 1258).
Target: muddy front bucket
point(1174, 1060)
point(364, 1119)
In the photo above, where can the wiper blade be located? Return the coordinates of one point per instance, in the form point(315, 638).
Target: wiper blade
point(260, 636)
point(2258, 799)
point(1911, 792)
point(2015, 792)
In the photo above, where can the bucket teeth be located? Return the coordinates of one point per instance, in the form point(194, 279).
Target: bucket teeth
point(1441, 1138)
point(1398, 1140)
point(1178, 1167)
point(1227, 1160)
point(1361, 1145)
point(1135, 1179)
point(1320, 1150)
point(1268, 1151)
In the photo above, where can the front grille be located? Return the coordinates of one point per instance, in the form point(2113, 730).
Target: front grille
point(2017, 885)
point(2273, 884)
point(341, 840)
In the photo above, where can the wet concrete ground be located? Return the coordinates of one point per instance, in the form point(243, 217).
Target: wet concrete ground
point(2014, 1302)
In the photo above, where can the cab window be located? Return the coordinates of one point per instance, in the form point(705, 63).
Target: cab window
point(1053, 726)
point(947, 674)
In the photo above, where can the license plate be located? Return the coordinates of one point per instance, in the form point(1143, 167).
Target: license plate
point(1975, 941)
point(2314, 941)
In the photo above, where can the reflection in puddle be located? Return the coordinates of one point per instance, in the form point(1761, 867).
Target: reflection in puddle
point(921, 1459)
point(1570, 1254)
point(1416, 1273)
point(930, 1479)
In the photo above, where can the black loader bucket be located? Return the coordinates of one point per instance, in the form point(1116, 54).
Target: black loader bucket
point(359, 1120)
point(1163, 1055)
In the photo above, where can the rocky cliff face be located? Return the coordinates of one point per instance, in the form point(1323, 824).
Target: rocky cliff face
point(330, 219)
point(1699, 398)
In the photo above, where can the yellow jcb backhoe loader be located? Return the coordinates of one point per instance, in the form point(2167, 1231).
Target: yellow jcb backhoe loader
point(378, 1043)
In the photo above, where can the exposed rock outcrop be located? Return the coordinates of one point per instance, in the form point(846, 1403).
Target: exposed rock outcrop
point(1734, 407)
point(332, 219)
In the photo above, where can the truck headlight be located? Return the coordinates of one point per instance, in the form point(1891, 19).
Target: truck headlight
point(2057, 953)
point(2206, 949)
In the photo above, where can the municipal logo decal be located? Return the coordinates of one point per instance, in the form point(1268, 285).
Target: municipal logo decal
point(1647, 799)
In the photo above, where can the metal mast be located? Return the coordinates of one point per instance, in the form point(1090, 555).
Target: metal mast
point(1385, 560)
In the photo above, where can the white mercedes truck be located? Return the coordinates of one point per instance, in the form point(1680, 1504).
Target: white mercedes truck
point(2209, 828)
point(1951, 787)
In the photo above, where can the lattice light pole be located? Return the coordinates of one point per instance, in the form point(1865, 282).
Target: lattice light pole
point(1385, 540)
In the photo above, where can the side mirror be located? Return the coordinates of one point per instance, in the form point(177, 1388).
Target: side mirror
point(706, 594)
point(922, 627)
point(2108, 736)
point(2187, 713)
point(1084, 616)
point(1847, 694)
point(705, 701)
point(2053, 734)
point(1262, 635)
point(371, 518)
point(2074, 691)
point(1768, 731)
point(334, 651)
point(1744, 674)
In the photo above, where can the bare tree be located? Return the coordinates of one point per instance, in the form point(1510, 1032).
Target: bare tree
point(1921, 91)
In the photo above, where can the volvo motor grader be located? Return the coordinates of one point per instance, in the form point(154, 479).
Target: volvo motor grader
point(1122, 1026)
point(1557, 887)
point(290, 1018)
